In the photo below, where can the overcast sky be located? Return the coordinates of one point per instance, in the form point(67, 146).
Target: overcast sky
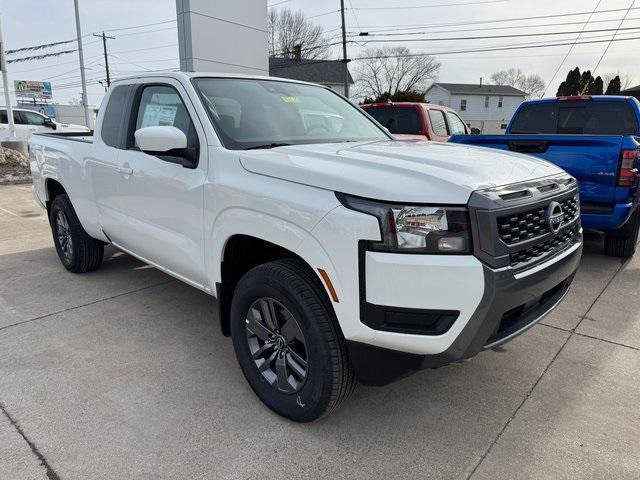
point(33, 22)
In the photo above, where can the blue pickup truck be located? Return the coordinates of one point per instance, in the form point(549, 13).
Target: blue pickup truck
point(597, 140)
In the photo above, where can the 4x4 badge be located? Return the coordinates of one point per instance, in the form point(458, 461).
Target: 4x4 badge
point(555, 216)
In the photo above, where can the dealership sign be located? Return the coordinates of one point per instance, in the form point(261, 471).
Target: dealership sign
point(32, 89)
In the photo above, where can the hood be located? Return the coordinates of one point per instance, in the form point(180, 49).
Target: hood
point(425, 172)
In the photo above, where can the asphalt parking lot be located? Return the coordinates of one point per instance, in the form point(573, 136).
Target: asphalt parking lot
point(123, 373)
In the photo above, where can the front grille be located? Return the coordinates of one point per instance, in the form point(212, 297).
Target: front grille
point(554, 244)
point(531, 224)
point(519, 225)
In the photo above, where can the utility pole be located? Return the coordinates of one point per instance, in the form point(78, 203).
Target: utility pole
point(83, 78)
point(5, 84)
point(106, 57)
point(345, 60)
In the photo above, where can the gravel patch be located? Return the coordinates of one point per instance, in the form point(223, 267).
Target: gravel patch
point(14, 167)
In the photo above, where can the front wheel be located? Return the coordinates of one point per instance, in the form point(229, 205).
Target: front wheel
point(287, 342)
point(77, 251)
point(622, 242)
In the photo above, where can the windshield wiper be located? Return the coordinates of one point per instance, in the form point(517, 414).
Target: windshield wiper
point(268, 145)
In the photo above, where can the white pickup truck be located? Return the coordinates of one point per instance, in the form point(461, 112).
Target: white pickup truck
point(337, 254)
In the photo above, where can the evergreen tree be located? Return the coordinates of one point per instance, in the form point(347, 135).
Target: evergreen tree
point(614, 86)
point(597, 87)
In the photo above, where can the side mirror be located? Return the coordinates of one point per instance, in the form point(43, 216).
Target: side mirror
point(50, 123)
point(475, 131)
point(166, 140)
point(155, 140)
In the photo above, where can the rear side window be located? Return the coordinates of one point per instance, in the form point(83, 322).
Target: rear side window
point(3, 116)
point(577, 118)
point(398, 119)
point(438, 123)
point(536, 118)
point(597, 118)
point(456, 125)
point(114, 117)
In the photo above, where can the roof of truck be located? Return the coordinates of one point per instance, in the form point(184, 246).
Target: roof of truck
point(190, 75)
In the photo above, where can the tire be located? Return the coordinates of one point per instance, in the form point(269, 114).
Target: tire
point(622, 242)
point(77, 251)
point(288, 291)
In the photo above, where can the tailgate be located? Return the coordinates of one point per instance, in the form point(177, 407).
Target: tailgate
point(592, 159)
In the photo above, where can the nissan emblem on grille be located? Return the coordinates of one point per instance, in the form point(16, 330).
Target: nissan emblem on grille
point(555, 216)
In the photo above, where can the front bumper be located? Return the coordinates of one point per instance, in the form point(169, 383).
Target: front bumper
point(512, 302)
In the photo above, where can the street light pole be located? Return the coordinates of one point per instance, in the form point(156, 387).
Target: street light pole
point(83, 78)
point(5, 84)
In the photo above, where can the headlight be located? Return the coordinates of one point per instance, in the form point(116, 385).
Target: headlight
point(416, 228)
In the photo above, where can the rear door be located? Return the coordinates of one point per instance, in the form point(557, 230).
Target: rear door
point(438, 122)
point(22, 132)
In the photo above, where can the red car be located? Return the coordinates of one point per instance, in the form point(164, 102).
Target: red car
point(417, 121)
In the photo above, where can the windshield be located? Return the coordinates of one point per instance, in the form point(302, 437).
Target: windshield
point(267, 113)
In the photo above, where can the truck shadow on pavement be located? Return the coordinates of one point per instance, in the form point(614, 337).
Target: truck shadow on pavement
point(129, 367)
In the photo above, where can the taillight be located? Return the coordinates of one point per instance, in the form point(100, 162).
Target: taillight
point(571, 98)
point(628, 168)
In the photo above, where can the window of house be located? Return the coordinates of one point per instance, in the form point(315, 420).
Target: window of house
point(500, 102)
point(463, 104)
point(486, 101)
point(438, 123)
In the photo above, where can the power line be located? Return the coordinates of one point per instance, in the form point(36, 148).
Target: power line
point(501, 20)
point(571, 48)
point(497, 49)
point(488, 37)
point(614, 37)
point(407, 7)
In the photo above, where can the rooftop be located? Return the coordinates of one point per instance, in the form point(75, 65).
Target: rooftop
point(477, 89)
point(316, 71)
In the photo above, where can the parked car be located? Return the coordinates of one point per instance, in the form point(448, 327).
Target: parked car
point(595, 139)
point(335, 254)
point(28, 122)
point(417, 121)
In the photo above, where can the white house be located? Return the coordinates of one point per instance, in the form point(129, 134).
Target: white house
point(486, 107)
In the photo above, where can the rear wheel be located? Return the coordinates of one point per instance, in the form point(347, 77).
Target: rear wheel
point(622, 242)
point(287, 342)
point(77, 251)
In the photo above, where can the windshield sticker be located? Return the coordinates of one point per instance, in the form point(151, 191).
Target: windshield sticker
point(159, 115)
point(290, 99)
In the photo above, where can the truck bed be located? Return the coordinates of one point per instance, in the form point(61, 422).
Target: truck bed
point(86, 137)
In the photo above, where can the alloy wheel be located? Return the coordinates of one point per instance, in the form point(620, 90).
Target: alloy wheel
point(63, 233)
point(277, 345)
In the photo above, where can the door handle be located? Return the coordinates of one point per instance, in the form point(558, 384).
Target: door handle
point(125, 170)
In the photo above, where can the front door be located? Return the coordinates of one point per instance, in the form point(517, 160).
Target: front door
point(160, 199)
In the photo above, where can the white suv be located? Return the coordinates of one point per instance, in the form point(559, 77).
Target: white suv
point(28, 122)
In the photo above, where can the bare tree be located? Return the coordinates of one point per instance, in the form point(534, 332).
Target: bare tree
point(289, 30)
point(389, 70)
point(532, 84)
point(626, 80)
